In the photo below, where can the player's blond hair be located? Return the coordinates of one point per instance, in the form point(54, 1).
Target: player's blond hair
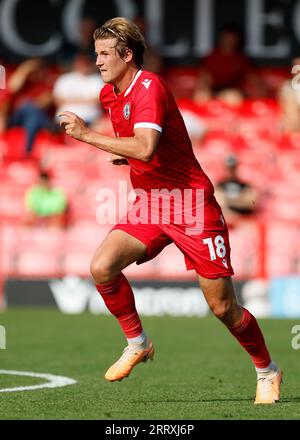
point(128, 36)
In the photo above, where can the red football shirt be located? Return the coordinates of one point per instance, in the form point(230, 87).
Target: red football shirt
point(147, 102)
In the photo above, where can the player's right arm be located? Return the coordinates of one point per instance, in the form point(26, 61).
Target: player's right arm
point(141, 146)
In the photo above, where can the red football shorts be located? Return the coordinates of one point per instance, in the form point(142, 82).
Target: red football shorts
point(207, 252)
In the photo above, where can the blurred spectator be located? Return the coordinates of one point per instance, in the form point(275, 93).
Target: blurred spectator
point(28, 100)
point(153, 62)
point(45, 205)
point(237, 198)
point(195, 124)
point(78, 91)
point(227, 67)
point(289, 99)
point(84, 45)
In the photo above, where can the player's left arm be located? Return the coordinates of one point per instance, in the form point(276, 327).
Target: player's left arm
point(141, 146)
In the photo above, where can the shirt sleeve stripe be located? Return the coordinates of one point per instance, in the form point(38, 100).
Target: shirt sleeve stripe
point(148, 125)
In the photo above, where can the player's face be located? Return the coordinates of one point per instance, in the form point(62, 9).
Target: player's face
point(111, 66)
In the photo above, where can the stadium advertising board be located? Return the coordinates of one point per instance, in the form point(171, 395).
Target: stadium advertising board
point(74, 295)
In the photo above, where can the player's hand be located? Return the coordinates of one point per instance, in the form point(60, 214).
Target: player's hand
point(118, 160)
point(73, 125)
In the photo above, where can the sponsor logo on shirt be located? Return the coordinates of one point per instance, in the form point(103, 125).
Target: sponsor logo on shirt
point(126, 111)
point(147, 83)
point(224, 261)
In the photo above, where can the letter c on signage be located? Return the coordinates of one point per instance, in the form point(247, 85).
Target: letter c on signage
point(15, 42)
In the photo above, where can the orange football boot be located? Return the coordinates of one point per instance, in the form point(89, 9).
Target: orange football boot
point(132, 355)
point(268, 387)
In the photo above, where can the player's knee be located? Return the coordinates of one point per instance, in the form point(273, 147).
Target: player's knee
point(222, 310)
point(102, 270)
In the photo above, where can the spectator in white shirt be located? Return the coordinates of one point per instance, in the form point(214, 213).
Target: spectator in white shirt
point(78, 91)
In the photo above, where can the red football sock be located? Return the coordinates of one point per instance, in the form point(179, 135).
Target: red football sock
point(249, 335)
point(119, 300)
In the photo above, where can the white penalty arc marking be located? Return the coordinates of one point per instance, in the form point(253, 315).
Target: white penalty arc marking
point(53, 381)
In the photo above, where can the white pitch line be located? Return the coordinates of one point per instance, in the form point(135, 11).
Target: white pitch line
point(53, 381)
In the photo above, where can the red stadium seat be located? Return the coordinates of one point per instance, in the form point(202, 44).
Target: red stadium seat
point(9, 240)
point(14, 139)
point(85, 237)
point(260, 116)
point(38, 265)
point(82, 208)
point(283, 200)
point(182, 81)
point(256, 168)
point(274, 77)
point(141, 272)
point(245, 257)
point(259, 108)
point(282, 208)
point(288, 167)
point(11, 202)
point(282, 248)
point(14, 144)
point(19, 173)
point(9, 237)
point(215, 143)
point(42, 240)
point(170, 265)
point(212, 163)
point(219, 116)
point(77, 263)
point(7, 264)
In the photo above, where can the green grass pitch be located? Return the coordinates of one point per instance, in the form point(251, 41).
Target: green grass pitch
point(199, 372)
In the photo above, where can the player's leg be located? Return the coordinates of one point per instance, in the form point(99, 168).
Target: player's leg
point(209, 254)
point(220, 296)
point(117, 251)
point(221, 299)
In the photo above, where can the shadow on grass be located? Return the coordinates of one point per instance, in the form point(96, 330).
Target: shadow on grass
point(194, 400)
point(290, 400)
point(249, 399)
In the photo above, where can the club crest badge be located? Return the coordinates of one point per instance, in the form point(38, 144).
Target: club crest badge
point(126, 111)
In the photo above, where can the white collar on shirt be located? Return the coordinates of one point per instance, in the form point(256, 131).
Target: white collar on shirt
point(133, 82)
